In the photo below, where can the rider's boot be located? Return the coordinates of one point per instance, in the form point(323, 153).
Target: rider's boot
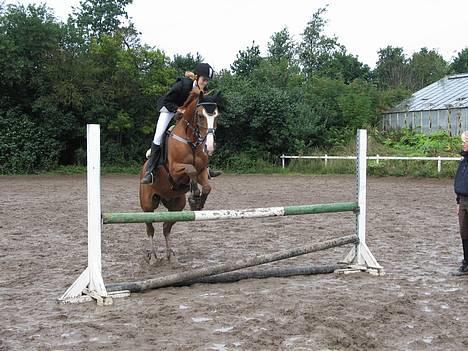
point(213, 173)
point(152, 161)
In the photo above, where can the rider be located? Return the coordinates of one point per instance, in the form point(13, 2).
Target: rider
point(168, 105)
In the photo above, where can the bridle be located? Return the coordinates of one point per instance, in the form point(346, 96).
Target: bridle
point(195, 127)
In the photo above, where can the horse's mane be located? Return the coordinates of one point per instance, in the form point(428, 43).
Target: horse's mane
point(190, 103)
point(192, 97)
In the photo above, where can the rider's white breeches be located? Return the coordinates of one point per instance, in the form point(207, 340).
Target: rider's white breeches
point(163, 121)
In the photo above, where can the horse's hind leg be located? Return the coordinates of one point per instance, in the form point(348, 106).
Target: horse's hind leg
point(176, 204)
point(151, 255)
point(167, 226)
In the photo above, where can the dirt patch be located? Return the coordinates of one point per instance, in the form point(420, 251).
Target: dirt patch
point(412, 231)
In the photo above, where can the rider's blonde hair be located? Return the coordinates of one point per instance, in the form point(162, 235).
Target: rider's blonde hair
point(190, 75)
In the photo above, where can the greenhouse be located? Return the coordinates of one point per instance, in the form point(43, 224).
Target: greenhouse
point(442, 105)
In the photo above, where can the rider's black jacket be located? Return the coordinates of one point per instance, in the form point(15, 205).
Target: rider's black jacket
point(176, 97)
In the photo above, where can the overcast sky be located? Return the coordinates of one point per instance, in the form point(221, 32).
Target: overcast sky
point(218, 29)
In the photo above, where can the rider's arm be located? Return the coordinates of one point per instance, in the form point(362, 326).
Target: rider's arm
point(172, 96)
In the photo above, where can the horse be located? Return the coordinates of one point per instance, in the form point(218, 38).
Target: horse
point(189, 144)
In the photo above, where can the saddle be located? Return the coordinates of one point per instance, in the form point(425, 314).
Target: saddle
point(162, 162)
point(164, 150)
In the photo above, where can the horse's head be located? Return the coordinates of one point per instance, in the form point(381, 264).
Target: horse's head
point(206, 117)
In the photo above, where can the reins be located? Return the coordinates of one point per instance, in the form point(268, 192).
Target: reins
point(199, 140)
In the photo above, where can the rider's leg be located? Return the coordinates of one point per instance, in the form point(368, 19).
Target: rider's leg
point(163, 121)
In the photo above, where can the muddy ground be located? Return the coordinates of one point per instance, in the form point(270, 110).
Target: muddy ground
point(412, 231)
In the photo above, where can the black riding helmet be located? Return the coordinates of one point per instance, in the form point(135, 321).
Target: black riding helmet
point(204, 70)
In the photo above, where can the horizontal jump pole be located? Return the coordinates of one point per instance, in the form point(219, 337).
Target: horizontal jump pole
point(183, 277)
point(184, 216)
point(232, 277)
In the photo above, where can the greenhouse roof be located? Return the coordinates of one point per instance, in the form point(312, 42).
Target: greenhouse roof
point(448, 93)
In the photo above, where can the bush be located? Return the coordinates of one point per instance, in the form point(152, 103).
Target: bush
point(25, 148)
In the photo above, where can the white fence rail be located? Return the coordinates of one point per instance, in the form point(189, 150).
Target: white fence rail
point(377, 158)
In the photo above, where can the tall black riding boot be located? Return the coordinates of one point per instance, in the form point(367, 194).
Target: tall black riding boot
point(213, 173)
point(152, 162)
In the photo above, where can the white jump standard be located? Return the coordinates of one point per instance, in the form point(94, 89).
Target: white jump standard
point(90, 284)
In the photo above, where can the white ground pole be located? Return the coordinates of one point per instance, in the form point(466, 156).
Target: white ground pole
point(90, 284)
point(360, 258)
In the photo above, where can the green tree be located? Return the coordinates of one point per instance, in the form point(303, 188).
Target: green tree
point(345, 67)
point(126, 84)
point(103, 17)
point(317, 49)
point(31, 126)
point(281, 47)
point(278, 74)
point(392, 68)
point(54, 82)
point(330, 111)
point(256, 121)
point(247, 60)
point(460, 63)
point(426, 67)
point(184, 63)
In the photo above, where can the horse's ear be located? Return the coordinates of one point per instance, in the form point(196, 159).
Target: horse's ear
point(220, 101)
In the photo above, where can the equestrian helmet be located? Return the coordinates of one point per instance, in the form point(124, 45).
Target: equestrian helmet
point(204, 70)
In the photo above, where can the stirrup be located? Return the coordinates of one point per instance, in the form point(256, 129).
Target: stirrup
point(152, 179)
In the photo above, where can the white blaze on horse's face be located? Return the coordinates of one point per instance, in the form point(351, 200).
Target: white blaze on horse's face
point(211, 124)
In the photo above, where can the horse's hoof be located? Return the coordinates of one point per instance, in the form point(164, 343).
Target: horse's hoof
point(175, 263)
point(171, 256)
point(150, 257)
point(172, 260)
point(195, 203)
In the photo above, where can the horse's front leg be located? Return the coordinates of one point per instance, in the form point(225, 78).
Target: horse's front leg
point(195, 196)
point(151, 256)
point(205, 187)
point(183, 173)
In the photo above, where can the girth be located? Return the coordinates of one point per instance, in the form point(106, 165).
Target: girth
point(192, 144)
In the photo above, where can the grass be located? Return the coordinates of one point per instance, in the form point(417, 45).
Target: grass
point(303, 166)
point(105, 169)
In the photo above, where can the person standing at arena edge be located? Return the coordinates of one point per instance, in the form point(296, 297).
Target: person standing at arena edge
point(168, 105)
point(461, 189)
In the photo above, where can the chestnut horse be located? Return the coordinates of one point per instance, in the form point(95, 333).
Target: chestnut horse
point(189, 144)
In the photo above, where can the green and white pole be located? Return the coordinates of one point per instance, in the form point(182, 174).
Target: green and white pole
point(184, 216)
